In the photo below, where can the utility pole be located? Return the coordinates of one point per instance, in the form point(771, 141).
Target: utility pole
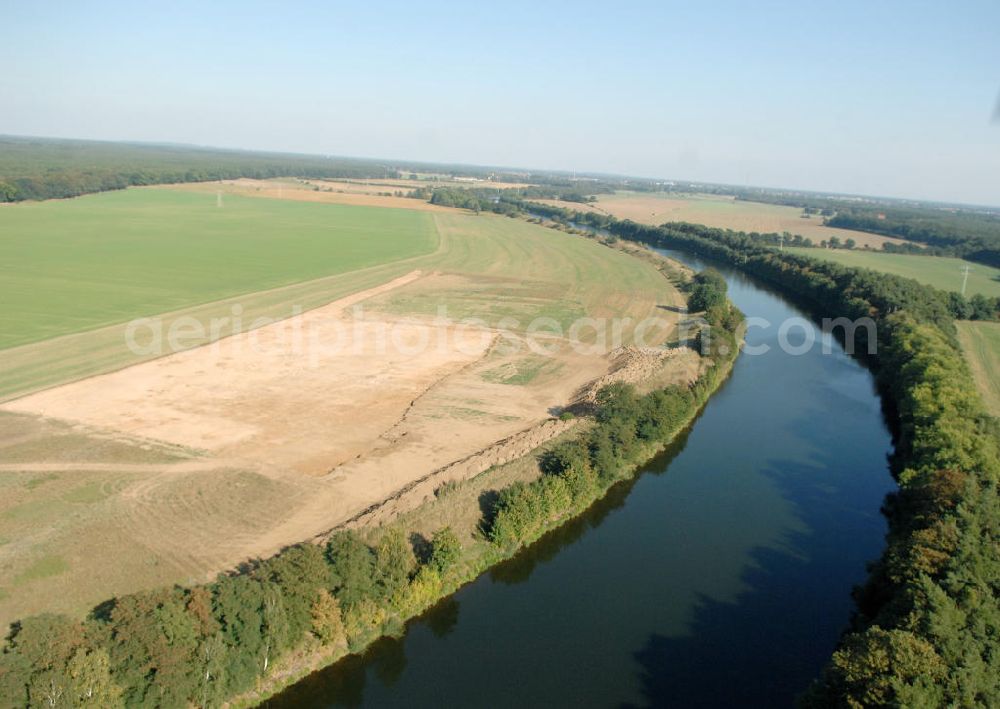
point(781, 241)
point(965, 277)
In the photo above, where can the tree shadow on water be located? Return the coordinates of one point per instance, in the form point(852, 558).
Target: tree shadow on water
point(519, 568)
point(343, 683)
point(763, 649)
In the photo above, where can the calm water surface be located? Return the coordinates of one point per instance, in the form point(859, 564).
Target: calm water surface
point(721, 576)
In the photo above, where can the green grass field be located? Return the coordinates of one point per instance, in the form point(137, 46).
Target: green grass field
point(74, 265)
point(504, 267)
point(509, 268)
point(938, 271)
point(981, 344)
point(70, 492)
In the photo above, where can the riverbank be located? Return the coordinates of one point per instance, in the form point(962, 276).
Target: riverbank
point(719, 574)
point(925, 627)
point(461, 503)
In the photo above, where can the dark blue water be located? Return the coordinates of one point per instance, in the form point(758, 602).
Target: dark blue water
point(720, 577)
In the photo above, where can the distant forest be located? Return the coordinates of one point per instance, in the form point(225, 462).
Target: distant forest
point(37, 168)
point(48, 168)
point(32, 168)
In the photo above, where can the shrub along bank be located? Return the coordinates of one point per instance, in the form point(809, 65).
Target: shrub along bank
point(629, 429)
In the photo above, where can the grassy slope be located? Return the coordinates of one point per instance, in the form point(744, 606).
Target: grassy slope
point(56, 524)
point(512, 269)
point(937, 271)
point(523, 270)
point(981, 344)
point(74, 265)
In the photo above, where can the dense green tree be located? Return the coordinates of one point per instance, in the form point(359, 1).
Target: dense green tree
point(153, 644)
point(564, 456)
point(276, 628)
point(90, 683)
point(883, 668)
point(616, 401)
point(708, 291)
point(34, 668)
point(352, 565)
point(327, 621)
point(446, 550)
point(239, 603)
point(299, 573)
point(983, 308)
point(395, 562)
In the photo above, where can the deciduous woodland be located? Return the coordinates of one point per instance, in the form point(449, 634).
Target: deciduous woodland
point(928, 619)
point(51, 169)
point(38, 169)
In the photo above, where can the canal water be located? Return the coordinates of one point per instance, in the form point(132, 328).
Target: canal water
point(719, 577)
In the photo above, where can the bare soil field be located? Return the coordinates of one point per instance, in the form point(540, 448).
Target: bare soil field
point(722, 213)
point(363, 193)
point(427, 180)
point(44, 364)
point(357, 194)
point(283, 395)
point(352, 412)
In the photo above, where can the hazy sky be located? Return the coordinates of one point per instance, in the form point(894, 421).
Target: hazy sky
point(885, 98)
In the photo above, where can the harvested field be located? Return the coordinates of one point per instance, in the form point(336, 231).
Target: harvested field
point(183, 465)
point(284, 395)
point(358, 194)
point(388, 193)
point(723, 213)
point(376, 185)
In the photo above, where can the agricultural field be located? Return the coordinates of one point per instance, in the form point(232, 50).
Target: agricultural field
point(395, 364)
point(364, 193)
point(723, 213)
point(358, 193)
point(938, 271)
point(981, 345)
point(73, 265)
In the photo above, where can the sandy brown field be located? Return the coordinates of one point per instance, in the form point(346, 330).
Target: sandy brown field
point(723, 213)
point(363, 193)
point(447, 181)
point(281, 395)
point(355, 411)
point(304, 191)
